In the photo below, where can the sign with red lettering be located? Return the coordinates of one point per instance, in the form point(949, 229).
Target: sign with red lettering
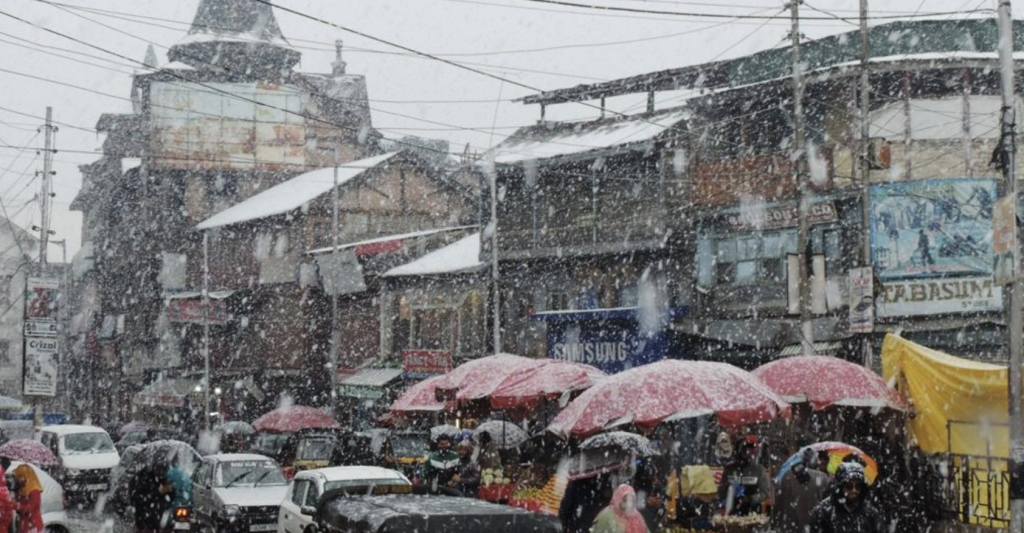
point(192, 311)
point(423, 363)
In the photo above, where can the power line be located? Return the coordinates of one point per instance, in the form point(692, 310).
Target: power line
point(66, 125)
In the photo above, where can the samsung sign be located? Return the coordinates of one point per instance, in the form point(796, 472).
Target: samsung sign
point(609, 344)
point(591, 353)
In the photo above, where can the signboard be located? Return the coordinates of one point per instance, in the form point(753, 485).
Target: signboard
point(341, 273)
point(41, 297)
point(420, 364)
point(1004, 240)
point(609, 345)
point(933, 228)
point(191, 311)
point(38, 328)
point(862, 300)
point(780, 217)
point(220, 126)
point(41, 363)
point(939, 296)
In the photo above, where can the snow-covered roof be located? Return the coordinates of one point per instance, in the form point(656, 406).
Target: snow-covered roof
point(389, 238)
point(247, 37)
point(71, 429)
point(292, 194)
point(226, 457)
point(128, 163)
point(553, 140)
point(939, 119)
point(460, 256)
point(351, 473)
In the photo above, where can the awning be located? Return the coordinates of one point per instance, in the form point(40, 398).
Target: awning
point(820, 348)
point(188, 295)
point(166, 393)
point(372, 377)
point(615, 313)
point(389, 243)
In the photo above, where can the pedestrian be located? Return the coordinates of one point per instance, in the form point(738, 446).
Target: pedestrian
point(796, 495)
point(467, 479)
point(441, 464)
point(847, 508)
point(28, 499)
point(621, 515)
point(490, 457)
point(151, 494)
point(654, 508)
point(583, 499)
point(6, 500)
point(745, 485)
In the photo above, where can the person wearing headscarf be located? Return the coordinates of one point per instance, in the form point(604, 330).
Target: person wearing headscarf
point(796, 495)
point(28, 500)
point(621, 515)
point(6, 500)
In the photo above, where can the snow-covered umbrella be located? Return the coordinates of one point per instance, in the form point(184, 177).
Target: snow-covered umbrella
point(294, 418)
point(623, 440)
point(134, 425)
point(505, 434)
point(446, 429)
point(10, 404)
point(421, 398)
point(547, 381)
point(670, 390)
point(236, 427)
point(28, 451)
point(476, 380)
point(823, 381)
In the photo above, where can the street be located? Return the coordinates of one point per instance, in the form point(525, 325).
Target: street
point(88, 522)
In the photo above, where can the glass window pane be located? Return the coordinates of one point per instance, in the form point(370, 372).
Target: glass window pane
point(746, 272)
point(789, 242)
point(705, 263)
point(725, 273)
point(726, 251)
point(772, 245)
point(773, 270)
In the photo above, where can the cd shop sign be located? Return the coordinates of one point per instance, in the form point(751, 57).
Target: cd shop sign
point(780, 217)
point(939, 296)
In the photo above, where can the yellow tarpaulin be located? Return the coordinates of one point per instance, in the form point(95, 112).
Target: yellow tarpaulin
point(944, 388)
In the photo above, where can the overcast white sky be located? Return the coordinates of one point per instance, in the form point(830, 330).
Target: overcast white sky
point(489, 34)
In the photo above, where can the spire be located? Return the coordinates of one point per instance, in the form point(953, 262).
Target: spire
point(151, 60)
point(339, 63)
point(234, 34)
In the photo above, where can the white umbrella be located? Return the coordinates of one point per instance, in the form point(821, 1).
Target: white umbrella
point(505, 434)
point(623, 440)
point(446, 429)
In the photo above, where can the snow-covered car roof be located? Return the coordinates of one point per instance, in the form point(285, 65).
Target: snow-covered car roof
point(342, 473)
point(228, 457)
point(70, 429)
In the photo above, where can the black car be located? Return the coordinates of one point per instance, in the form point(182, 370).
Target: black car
point(400, 509)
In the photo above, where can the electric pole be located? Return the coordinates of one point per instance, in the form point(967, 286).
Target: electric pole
point(1015, 324)
point(44, 201)
point(206, 330)
point(865, 160)
point(335, 341)
point(798, 160)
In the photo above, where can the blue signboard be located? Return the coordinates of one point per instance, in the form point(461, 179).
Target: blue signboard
point(932, 228)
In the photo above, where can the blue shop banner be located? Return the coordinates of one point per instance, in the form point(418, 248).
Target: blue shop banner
point(932, 228)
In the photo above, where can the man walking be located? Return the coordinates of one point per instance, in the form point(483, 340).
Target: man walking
point(847, 509)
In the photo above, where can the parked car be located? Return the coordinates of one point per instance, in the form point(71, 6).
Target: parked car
point(52, 504)
point(298, 509)
point(237, 492)
point(411, 508)
point(86, 457)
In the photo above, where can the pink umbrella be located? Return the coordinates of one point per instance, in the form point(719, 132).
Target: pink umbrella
point(28, 451)
point(669, 390)
point(421, 398)
point(479, 378)
point(134, 425)
point(528, 389)
point(825, 381)
point(294, 418)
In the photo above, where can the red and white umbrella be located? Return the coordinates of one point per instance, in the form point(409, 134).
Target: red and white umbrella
point(670, 390)
point(28, 451)
point(530, 388)
point(825, 381)
point(478, 379)
point(295, 418)
point(420, 398)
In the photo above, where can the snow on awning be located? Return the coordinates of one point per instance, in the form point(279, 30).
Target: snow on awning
point(188, 295)
point(292, 194)
point(820, 348)
point(461, 256)
point(372, 377)
point(614, 313)
point(388, 243)
point(166, 393)
point(546, 140)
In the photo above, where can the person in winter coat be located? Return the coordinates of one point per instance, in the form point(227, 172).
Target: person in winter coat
point(181, 484)
point(800, 490)
point(441, 464)
point(747, 479)
point(151, 494)
point(847, 509)
point(654, 512)
point(490, 457)
point(621, 515)
point(28, 500)
point(583, 499)
point(6, 500)
point(467, 480)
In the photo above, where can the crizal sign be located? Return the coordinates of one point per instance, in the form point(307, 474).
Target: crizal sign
point(40, 368)
point(591, 353)
point(939, 296)
point(786, 217)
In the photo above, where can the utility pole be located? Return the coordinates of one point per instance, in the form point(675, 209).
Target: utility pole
point(206, 330)
point(335, 341)
point(799, 158)
point(1015, 324)
point(865, 160)
point(495, 273)
point(44, 202)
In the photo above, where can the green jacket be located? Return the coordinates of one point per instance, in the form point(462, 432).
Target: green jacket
point(440, 467)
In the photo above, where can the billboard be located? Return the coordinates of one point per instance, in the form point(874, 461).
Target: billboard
point(41, 297)
point(932, 228)
point(939, 296)
point(41, 362)
point(227, 126)
point(1004, 240)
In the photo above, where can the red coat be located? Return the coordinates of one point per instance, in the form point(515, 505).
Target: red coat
point(30, 515)
point(6, 503)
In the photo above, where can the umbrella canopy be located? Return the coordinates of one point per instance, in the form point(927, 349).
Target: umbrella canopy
point(622, 440)
point(134, 425)
point(837, 453)
point(28, 451)
point(9, 404)
point(445, 429)
point(825, 381)
point(669, 390)
point(479, 378)
point(549, 380)
point(295, 418)
point(420, 398)
point(505, 434)
point(236, 428)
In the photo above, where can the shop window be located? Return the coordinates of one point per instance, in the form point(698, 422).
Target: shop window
point(281, 244)
point(746, 260)
point(264, 243)
point(557, 301)
point(705, 263)
point(433, 329)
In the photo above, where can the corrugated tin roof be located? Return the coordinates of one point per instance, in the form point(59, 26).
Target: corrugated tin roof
point(373, 377)
point(820, 348)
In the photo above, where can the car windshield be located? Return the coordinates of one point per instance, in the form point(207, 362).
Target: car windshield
point(345, 483)
point(315, 449)
point(248, 473)
point(87, 443)
point(409, 445)
point(272, 443)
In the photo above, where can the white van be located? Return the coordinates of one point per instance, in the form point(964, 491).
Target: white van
point(87, 457)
